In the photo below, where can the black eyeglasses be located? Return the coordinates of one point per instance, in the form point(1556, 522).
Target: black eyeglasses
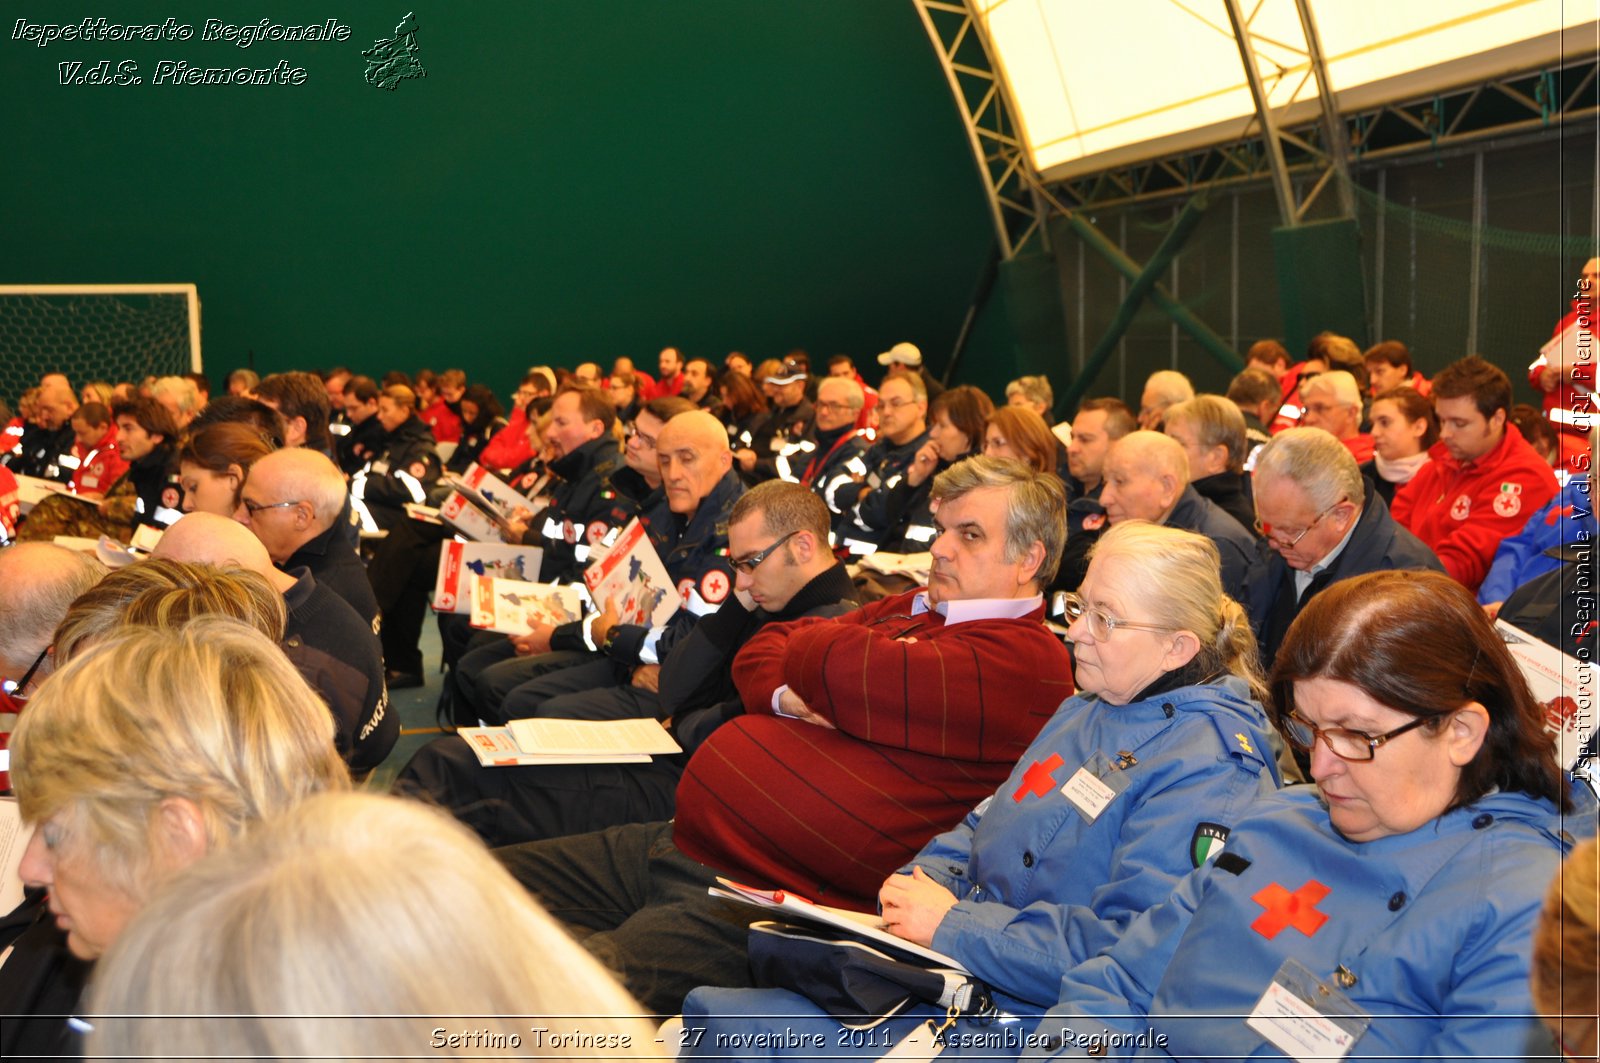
point(21, 685)
point(634, 433)
point(1341, 741)
point(749, 563)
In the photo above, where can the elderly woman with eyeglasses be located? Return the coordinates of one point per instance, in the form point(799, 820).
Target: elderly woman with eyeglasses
point(1389, 910)
point(1131, 784)
point(148, 749)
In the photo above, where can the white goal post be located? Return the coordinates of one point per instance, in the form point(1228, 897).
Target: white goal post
point(96, 331)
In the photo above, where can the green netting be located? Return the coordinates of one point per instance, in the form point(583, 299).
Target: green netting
point(1487, 235)
point(91, 336)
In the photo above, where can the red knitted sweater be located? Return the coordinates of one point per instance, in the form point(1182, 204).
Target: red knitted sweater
point(930, 719)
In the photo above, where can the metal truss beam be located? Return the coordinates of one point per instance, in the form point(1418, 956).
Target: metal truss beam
point(1526, 102)
point(987, 112)
point(1332, 161)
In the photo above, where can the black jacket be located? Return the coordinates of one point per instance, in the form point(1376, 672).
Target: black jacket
point(334, 562)
point(782, 427)
point(158, 492)
point(1230, 492)
point(697, 690)
point(404, 465)
point(1378, 544)
point(359, 445)
point(40, 453)
point(1236, 544)
point(1086, 519)
point(339, 656)
point(580, 511)
point(41, 982)
point(884, 511)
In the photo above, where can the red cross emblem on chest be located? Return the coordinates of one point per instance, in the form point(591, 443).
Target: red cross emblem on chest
point(1283, 909)
point(1037, 779)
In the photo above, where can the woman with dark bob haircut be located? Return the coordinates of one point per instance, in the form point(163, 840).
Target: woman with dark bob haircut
point(1391, 906)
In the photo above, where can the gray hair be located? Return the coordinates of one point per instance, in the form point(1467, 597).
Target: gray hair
point(1339, 384)
point(1177, 575)
point(309, 476)
point(183, 391)
point(38, 584)
point(1217, 422)
point(1036, 505)
point(914, 381)
point(1314, 460)
point(1170, 386)
point(1034, 389)
point(855, 398)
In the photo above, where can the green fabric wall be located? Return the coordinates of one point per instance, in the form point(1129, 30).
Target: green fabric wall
point(570, 181)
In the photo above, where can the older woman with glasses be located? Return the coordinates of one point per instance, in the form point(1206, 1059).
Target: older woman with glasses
point(1129, 786)
point(1388, 911)
point(145, 751)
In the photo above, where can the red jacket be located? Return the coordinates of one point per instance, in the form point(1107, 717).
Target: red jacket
point(1293, 408)
point(666, 387)
point(1360, 447)
point(1463, 511)
point(1572, 400)
point(930, 720)
point(98, 467)
point(10, 505)
point(509, 447)
point(444, 421)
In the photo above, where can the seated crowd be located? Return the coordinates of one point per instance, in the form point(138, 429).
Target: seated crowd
point(1182, 726)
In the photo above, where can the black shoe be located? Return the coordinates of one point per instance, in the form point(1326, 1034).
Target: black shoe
point(401, 680)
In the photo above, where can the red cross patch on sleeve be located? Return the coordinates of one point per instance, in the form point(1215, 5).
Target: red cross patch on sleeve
point(714, 586)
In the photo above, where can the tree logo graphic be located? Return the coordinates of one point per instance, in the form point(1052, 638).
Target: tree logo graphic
point(394, 59)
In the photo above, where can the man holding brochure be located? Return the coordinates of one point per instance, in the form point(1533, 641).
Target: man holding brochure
point(778, 543)
point(690, 535)
point(862, 737)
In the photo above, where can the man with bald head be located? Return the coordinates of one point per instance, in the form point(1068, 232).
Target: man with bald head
point(699, 487)
point(1147, 478)
point(38, 581)
point(45, 449)
point(293, 500)
point(334, 649)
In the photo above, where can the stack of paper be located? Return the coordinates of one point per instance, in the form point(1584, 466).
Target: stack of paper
point(540, 741)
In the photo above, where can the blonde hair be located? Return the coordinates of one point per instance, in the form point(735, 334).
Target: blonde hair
point(162, 592)
point(1566, 947)
point(1179, 575)
point(211, 712)
point(357, 905)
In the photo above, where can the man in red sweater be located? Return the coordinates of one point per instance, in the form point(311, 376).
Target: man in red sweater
point(863, 736)
point(1483, 481)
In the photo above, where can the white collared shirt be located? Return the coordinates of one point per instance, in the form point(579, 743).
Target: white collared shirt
point(958, 612)
point(1303, 578)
